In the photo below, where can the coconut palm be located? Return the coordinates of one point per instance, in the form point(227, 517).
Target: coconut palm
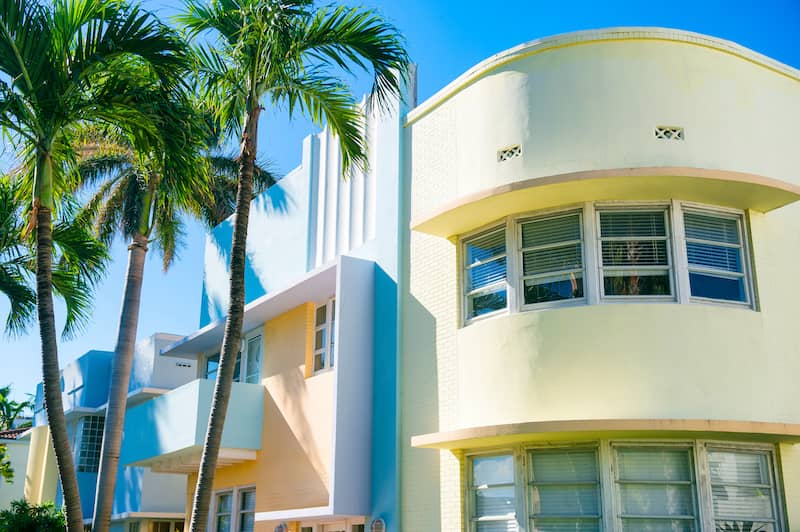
point(63, 62)
point(273, 52)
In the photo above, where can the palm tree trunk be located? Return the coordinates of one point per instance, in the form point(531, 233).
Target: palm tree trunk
point(51, 376)
point(233, 325)
point(118, 389)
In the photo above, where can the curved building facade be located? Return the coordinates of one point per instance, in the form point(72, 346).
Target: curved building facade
point(598, 321)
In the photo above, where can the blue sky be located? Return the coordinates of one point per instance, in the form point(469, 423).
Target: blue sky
point(444, 38)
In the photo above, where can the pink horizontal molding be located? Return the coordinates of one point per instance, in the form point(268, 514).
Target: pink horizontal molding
point(578, 428)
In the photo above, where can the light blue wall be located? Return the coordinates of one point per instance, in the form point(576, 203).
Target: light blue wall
point(84, 384)
point(178, 420)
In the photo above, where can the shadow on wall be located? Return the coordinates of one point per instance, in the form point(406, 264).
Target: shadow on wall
point(297, 476)
point(274, 202)
point(127, 494)
point(420, 402)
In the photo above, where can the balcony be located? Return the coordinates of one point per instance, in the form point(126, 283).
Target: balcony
point(166, 434)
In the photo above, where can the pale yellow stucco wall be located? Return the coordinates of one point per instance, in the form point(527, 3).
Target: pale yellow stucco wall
point(581, 108)
point(17, 455)
point(292, 469)
point(41, 475)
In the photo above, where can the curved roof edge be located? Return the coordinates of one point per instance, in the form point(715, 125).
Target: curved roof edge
point(596, 35)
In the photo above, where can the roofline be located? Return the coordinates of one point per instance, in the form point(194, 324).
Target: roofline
point(622, 33)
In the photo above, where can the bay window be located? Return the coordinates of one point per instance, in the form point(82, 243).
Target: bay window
point(642, 486)
point(607, 252)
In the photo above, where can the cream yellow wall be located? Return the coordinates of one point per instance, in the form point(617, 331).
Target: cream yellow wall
point(41, 475)
point(292, 469)
point(580, 108)
point(590, 104)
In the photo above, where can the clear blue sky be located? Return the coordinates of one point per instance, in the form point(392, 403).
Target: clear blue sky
point(444, 38)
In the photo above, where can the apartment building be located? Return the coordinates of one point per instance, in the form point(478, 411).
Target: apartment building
point(144, 500)
point(598, 327)
point(558, 298)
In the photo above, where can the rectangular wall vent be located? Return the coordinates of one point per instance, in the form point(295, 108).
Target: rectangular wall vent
point(669, 133)
point(508, 153)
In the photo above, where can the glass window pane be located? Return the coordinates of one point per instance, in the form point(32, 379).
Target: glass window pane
point(553, 259)
point(223, 523)
point(565, 524)
point(485, 246)
point(654, 464)
point(491, 470)
point(224, 503)
point(715, 257)
point(320, 339)
point(710, 227)
point(247, 500)
point(254, 360)
point(237, 368)
point(564, 466)
point(560, 500)
point(738, 502)
point(247, 522)
point(486, 302)
point(636, 283)
point(321, 315)
point(509, 525)
point(212, 365)
point(717, 287)
point(554, 288)
point(632, 223)
point(495, 501)
point(635, 253)
point(657, 499)
point(486, 274)
point(657, 525)
point(551, 230)
point(738, 467)
point(319, 361)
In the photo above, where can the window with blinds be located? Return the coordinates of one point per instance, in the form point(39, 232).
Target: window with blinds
point(493, 500)
point(742, 490)
point(247, 510)
point(634, 252)
point(551, 251)
point(715, 255)
point(485, 272)
point(564, 490)
point(222, 512)
point(656, 489)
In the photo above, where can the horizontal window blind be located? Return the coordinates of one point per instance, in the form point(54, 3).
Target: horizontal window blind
point(485, 272)
point(742, 490)
point(564, 491)
point(493, 494)
point(552, 258)
point(715, 256)
point(634, 252)
point(655, 487)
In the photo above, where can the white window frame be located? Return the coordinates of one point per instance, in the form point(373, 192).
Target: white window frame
point(255, 333)
point(606, 457)
point(601, 207)
point(464, 267)
point(743, 228)
point(592, 258)
point(519, 275)
point(328, 350)
point(234, 513)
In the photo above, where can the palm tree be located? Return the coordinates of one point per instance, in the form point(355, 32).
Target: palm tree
point(63, 62)
point(9, 412)
point(280, 52)
point(144, 200)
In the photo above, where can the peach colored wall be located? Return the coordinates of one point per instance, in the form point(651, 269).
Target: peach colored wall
point(292, 469)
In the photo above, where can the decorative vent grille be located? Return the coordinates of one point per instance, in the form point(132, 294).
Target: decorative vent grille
point(669, 133)
point(509, 153)
point(378, 525)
